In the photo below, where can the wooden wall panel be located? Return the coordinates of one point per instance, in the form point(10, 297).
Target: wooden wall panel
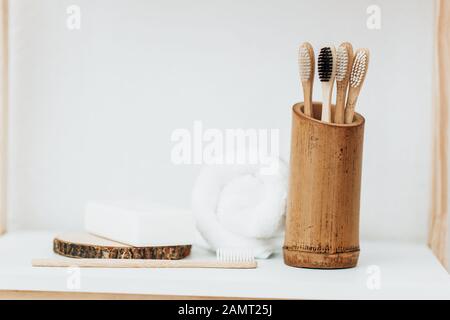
point(3, 109)
point(438, 238)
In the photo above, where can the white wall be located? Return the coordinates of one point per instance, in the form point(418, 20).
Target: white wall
point(92, 110)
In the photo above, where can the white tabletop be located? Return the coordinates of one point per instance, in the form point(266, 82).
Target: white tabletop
point(386, 270)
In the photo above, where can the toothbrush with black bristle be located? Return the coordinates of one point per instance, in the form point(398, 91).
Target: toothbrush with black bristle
point(327, 72)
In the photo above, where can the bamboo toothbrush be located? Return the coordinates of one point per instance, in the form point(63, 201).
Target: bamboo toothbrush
point(357, 77)
point(306, 63)
point(226, 259)
point(327, 73)
point(344, 56)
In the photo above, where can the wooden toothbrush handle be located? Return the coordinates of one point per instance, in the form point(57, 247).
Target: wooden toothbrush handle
point(351, 104)
point(307, 94)
point(326, 104)
point(340, 103)
point(141, 263)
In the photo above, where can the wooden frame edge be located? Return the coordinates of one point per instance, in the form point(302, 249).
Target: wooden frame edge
point(75, 295)
point(438, 219)
point(4, 94)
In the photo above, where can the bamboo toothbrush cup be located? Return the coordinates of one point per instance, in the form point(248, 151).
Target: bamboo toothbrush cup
point(322, 223)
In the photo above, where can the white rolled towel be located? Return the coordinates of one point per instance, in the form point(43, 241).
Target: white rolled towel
point(240, 207)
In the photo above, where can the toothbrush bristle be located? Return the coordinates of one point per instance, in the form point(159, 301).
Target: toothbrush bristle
point(304, 61)
point(325, 64)
point(359, 68)
point(342, 63)
point(234, 255)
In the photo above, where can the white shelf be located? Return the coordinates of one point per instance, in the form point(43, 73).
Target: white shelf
point(406, 271)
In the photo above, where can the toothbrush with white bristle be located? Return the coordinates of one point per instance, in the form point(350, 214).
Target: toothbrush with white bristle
point(226, 259)
point(306, 64)
point(327, 73)
point(234, 255)
point(357, 77)
point(344, 56)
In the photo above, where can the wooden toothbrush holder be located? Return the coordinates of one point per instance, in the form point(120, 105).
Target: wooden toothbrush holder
point(322, 223)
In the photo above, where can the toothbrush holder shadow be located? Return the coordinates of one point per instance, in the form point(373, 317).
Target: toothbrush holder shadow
point(322, 223)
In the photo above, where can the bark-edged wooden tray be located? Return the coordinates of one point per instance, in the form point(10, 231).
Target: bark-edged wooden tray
point(85, 245)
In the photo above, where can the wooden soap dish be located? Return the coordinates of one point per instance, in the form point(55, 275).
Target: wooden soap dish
point(85, 245)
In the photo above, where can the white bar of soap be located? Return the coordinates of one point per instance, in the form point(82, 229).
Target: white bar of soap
point(140, 224)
